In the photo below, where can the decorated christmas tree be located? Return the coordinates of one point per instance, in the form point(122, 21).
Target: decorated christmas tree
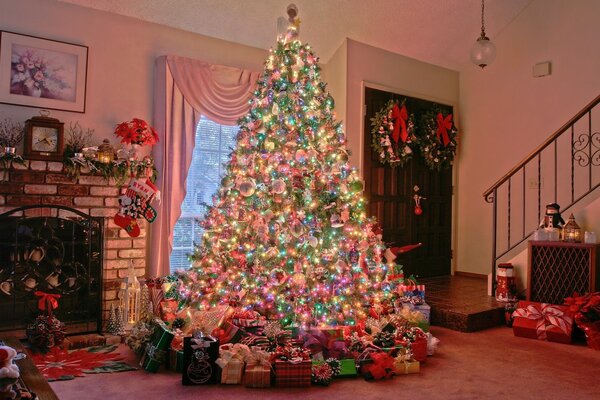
point(287, 233)
point(114, 325)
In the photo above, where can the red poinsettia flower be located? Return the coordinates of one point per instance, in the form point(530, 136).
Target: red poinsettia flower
point(60, 363)
point(586, 306)
point(136, 131)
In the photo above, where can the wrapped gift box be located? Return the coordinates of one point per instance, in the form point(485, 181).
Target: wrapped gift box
point(325, 342)
point(543, 321)
point(175, 360)
point(231, 363)
point(199, 357)
point(347, 368)
point(290, 374)
point(258, 369)
point(424, 309)
point(404, 367)
point(156, 351)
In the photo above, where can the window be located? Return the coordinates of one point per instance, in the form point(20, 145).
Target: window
point(214, 144)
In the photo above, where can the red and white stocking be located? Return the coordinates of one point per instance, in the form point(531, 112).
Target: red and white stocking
point(135, 203)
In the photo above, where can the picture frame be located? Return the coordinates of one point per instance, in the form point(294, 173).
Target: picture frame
point(42, 73)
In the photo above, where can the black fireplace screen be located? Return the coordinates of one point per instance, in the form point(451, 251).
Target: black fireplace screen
point(56, 250)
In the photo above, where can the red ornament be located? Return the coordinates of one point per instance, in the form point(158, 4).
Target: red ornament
point(418, 210)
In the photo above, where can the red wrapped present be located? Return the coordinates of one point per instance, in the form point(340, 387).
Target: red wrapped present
point(248, 318)
point(168, 310)
point(293, 366)
point(381, 367)
point(293, 373)
point(419, 349)
point(543, 321)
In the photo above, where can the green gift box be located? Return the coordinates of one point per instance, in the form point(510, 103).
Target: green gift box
point(347, 368)
point(156, 351)
point(175, 360)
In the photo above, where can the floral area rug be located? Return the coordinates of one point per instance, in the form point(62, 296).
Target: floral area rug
point(62, 364)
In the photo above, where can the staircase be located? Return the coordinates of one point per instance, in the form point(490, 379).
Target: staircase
point(562, 170)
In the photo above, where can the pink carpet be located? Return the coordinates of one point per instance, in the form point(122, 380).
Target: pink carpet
point(491, 364)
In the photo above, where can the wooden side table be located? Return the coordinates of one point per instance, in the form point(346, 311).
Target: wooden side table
point(557, 269)
point(34, 380)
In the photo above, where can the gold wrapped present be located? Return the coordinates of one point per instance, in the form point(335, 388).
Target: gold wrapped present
point(231, 360)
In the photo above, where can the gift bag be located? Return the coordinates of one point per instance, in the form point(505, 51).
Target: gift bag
point(199, 357)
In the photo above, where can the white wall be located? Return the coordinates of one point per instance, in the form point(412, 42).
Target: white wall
point(506, 113)
point(335, 74)
point(122, 51)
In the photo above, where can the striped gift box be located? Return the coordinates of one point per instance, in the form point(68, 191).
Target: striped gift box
point(288, 374)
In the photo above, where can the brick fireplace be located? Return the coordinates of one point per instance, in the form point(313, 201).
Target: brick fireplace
point(46, 183)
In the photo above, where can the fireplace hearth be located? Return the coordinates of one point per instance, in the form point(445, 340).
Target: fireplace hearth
point(58, 250)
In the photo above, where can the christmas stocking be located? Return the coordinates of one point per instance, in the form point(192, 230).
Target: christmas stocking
point(135, 203)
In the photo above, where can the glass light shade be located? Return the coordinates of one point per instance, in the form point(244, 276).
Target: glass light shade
point(572, 231)
point(106, 153)
point(483, 52)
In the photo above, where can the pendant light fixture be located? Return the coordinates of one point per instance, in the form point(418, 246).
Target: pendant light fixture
point(483, 52)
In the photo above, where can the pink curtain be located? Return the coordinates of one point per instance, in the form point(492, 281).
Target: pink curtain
point(185, 90)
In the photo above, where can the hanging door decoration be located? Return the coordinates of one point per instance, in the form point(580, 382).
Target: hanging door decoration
point(395, 137)
point(438, 139)
point(393, 134)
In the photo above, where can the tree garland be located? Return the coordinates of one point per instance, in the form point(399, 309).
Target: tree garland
point(393, 134)
point(437, 141)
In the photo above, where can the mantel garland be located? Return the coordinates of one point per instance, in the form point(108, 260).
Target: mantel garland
point(393, 134)
point(438, 139)
point(120, 169)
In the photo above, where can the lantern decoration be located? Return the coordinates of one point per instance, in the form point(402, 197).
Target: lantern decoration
point(572, 231)
point(129, 297)
point(106, 153)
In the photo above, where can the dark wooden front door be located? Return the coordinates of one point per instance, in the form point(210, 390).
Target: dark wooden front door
point(390, 192)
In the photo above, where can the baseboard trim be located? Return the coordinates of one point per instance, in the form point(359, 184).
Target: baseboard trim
point(470, 275)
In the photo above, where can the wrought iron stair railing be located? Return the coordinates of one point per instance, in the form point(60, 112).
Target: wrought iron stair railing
point(561, 170)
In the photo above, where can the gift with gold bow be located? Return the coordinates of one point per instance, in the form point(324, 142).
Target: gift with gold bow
point(543, 321)
point(258, 368)
point(231, 361)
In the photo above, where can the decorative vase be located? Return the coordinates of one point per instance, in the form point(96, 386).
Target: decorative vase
point(10, 150)
point(591, 330)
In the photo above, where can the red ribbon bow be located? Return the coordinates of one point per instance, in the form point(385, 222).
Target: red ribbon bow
point(399, 115)
point(47, 301)
point(443, 125)
point(546, 317)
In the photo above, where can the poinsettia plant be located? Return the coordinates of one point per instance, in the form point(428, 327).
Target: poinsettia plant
point(136, 131)
point(586, 306)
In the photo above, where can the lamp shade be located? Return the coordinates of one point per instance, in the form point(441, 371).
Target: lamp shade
point(483, 52)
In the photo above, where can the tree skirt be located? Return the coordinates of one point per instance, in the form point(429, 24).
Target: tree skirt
point(61, 364)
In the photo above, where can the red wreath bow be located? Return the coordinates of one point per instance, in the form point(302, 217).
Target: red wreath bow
point(399, 115)
point(443, 125)
point(47, 301)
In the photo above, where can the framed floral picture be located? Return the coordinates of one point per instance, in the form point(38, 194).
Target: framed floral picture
point(42, 73)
